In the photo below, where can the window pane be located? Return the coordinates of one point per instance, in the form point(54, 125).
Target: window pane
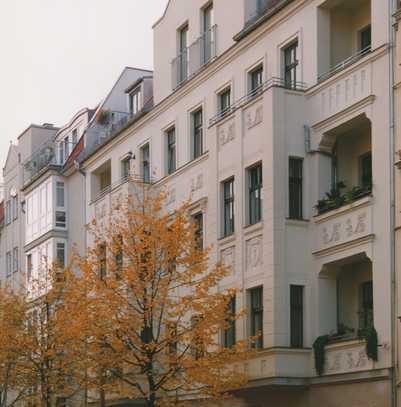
point(295, 188)
point(366, 38)
point(228, 209)
point(256, 315)
point(60, 198)
point(145, 163)
point(296, 307)
point(197, 134)
point(255, 189)
point(229, 333)
point(171, 151)
point(60, 254)
point(198, 219)
point(290, 65)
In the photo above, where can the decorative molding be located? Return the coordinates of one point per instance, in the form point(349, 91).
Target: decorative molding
point(253, 118)
point(171, 196)
point(254, 252)
point(226, 133)
point(197, 183)
point(227, 257)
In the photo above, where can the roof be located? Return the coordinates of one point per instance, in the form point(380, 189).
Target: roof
point(163, 15)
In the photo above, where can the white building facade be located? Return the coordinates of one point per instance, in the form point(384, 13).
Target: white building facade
point(273, 117)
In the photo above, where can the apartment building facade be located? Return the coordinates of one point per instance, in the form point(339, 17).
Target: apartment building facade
point(274, 117)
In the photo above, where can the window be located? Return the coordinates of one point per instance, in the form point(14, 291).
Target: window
point(228, 207)
point(102, 261)
point(172, 327)
point(366, 306)
point(295, 188)
point(8, 264)
point(15, 260)
point(365, 170)
point(15, 207)
point(256, 315)
point(125, 168)
point(255, 80)
point(61, 402)
point(182, 54)
point(66, 149)
point(75, 137)
point(197, 344)
point(145, 155)
point(119, 257)
point(29, 267)
point(297, 315)
point(229, 332)
point(224, 101)
point(290, 65)
point(61, 152)
point(8, 212)
point(198, 220)
point(171, 151)
point(365, 38)
point(60, 195)
point(254, 194)
point(207, 33)
point(61, 221)
point(60, 254)
point(135, 101)
point(197, 134)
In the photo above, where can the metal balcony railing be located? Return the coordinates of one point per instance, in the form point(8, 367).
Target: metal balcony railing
point(343, 64)
point(272, 82)
point(40, 160)
point(193, 58)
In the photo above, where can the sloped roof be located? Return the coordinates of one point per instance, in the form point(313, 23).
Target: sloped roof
point(163, 15)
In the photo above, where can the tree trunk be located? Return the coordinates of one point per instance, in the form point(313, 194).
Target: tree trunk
point(102, 399)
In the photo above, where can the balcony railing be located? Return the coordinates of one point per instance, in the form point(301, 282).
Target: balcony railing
point(42, 159)
point(272, 82)
point(193, 58)
point(343, 64)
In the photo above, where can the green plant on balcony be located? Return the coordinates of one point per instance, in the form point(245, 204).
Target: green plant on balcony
point(319, 349)
point(103, 117)
point(335, 198)
point(369, 334)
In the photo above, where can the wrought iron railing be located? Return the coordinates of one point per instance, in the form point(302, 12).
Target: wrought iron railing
point(343, 64)
point(39, 161)
point(193, 58)
point(272, 82)
point(133, 178)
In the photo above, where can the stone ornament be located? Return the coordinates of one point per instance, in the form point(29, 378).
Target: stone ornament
point(254, 118)
point(254, 252)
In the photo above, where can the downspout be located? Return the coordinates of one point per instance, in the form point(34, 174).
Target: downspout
point(391, 10)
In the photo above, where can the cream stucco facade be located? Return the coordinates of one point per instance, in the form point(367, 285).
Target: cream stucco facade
point(287, 101)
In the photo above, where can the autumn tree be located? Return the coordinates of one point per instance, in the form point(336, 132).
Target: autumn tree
point(146, 303)
point(33, 363)
point(14, 381)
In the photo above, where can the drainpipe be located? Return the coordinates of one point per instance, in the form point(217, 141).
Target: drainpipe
point(391, 10)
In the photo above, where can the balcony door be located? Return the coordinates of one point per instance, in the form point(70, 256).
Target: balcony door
point(208, 35)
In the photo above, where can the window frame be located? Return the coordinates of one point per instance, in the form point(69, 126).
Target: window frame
point(256, 79)
point(198, 219)
point(297, 315)
point(254, 195)
point(135, 100)
point(291, 63)
point(361, 33)
point(197, 130)
point(224, 101)
point(15, 261)
point(256, 312)
point(171, 150)
point(229, 334)
point(145, 162)
point(61, 246)
point(295, 186)
point(362, 158)
point(125, 168)
point(228, 207)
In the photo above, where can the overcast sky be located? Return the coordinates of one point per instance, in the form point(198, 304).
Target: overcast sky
point(57, 56)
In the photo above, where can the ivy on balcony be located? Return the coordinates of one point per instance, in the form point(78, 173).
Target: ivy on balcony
point(336, 198)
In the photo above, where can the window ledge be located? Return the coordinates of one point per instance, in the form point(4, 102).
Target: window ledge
point(249, 229)
point(297, 222)
point(226, 239)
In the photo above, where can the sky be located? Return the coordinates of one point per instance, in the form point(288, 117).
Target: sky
point(58, 56)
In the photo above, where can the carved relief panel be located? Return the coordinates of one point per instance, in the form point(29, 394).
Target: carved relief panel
point(254, 254)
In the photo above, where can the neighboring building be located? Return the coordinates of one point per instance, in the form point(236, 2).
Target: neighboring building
point(261, 108)
point(13, 233)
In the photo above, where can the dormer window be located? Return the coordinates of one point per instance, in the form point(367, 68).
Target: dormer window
point(134, 100)
point(74, 137)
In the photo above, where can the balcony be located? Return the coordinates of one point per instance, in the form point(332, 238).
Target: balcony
point(44, 158)
point(344, 35)
point(346, 306)
point(270, 83)
point(194, 58)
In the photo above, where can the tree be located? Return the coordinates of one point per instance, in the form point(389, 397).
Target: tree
point(146, 304)
point(33, 363)
point(13, 378)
